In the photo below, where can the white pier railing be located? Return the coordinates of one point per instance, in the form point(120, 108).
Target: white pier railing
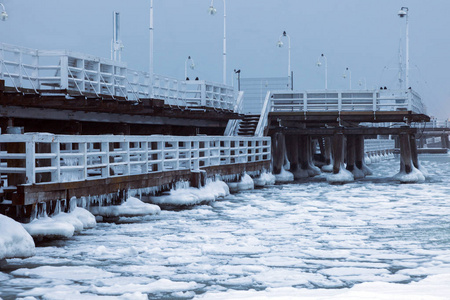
point(351, 100)
point(47, 71)
point(76, 158)
point(373, 145)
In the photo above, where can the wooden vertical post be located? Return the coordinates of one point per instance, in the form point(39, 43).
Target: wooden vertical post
point(303, 152)
point(338, 151)
point(414, 155)
point(292, 151)
point(359, 151)
point(351, 153)
point(328, 150)
point(405, 153)
point(278, 151)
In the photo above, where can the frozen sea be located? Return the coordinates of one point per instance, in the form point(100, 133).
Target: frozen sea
point(372, 239)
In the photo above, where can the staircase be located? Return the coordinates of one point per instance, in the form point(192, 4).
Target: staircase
point(247, 126)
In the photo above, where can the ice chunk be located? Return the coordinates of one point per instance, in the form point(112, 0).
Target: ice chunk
point(14, 239)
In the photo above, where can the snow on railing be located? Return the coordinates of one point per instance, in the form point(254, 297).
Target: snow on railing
point(41, 71)
point(352, 100)
point(233, 124)
point(63, 158)
point(264, 117)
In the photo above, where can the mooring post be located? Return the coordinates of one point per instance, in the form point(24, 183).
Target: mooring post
point(278, 152)
point(359, 151)
point(414, 154)
point(338, 151)
point(198, 178)
point(351, 153)
point(405, 153)
point(292, 151)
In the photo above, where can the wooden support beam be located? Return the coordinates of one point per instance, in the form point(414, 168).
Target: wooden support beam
point(359, 151)
point(351, 152)
point(414, 153)
point(338, 152)
point(405, 153)
point(292, 151)
point(278, 152)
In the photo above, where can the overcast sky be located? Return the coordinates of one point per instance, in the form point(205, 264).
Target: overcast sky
point(362, 35)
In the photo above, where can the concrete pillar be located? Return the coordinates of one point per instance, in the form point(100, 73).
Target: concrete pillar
point(351, 153)
point(359, 151)
point(338, 152)
point(405, 153)
point(278, 152)
point(292, 151)
point(414, 154)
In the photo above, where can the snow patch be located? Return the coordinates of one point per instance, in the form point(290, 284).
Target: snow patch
point(343, 176)
point(49, 228)
point(14, 240)
point(131, 208)
point(265, 179)
point(246, 183)
point(284, 176)
point(192, 196)
point(414, 176)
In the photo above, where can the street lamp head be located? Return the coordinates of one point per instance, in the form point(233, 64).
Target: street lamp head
point(212, 11)
point(319, 63)
point(4, 16)
point(403, 12)
point(280, 43)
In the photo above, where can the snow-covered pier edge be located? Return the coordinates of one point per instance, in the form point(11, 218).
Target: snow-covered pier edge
point(59, 185)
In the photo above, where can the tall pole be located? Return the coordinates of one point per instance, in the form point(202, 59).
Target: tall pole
point(224, 43)
point(407, 49)
point(404, 12)
point(326, 68)
point(150, 71)
point(280, 44)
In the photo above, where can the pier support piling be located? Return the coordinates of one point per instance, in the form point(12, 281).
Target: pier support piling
point(278, 152)
point(338, 152)
point(405, 153)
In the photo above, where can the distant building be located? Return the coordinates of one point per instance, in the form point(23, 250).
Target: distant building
point(255, 90)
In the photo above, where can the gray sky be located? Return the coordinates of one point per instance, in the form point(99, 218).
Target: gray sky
point(360, 34)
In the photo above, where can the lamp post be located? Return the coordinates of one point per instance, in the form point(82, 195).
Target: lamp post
point(3, 14)
point(280, 44)
point(192, 66)
point(347, 70)
point(319, 63)
point(150, 70)
point(238, 72)
point(212, 11)
point(404, 12)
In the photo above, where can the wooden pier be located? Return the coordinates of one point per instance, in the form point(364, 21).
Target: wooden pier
point(338, 123)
